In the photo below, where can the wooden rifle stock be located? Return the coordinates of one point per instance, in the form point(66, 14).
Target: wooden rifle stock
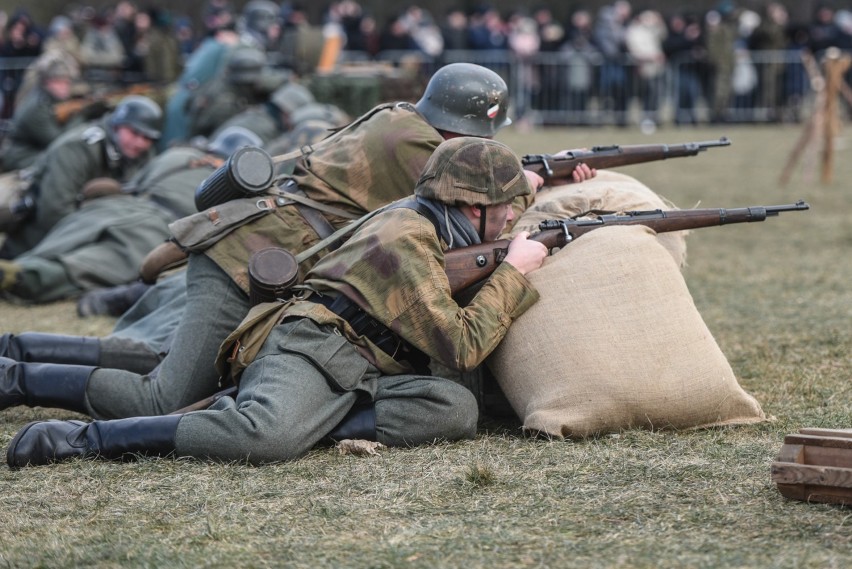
point(557, 168)
point(468, 266)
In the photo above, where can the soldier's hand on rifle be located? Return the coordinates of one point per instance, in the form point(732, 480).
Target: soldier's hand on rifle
point(534, 180)
point(525, 255)
point(582, 173)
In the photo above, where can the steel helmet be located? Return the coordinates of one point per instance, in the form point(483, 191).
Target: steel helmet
point(466, 99)
point(245, 65)
point(139, 113)
point(231, 139)
point(325, 112)
point(291, 97)
point(472, 171)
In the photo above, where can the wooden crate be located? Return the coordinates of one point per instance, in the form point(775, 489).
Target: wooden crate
point(815, 465)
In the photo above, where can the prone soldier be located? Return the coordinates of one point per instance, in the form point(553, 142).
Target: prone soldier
point(377, 159)
point(115, 147)
point(349, 357)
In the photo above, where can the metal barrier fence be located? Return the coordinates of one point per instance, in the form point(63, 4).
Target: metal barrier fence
point(574, 88)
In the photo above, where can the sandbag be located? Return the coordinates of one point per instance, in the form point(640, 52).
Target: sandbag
point(616, 342)
point(607, 192)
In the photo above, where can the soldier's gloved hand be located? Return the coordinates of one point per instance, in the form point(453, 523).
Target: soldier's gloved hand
point(524, 254)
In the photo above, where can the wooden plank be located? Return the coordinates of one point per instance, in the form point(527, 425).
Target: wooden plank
point(827, 456)
point(810, 440)
point(788, 473)
point(791, 453)
point(843, 433)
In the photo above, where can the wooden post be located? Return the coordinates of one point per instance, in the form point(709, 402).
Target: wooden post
point(836, 64)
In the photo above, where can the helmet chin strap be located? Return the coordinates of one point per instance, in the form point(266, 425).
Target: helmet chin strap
point(481, 209)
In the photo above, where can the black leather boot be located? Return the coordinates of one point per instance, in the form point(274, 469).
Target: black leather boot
point(359, 423)
point(45, 442)
point(51, 348)
point(43, 385)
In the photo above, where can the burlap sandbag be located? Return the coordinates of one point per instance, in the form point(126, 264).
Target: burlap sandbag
point(616, 342)
point(609, 191)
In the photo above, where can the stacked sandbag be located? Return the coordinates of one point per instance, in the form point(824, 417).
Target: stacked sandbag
point(615, 342)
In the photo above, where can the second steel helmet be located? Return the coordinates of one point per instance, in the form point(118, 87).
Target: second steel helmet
point(231, 139)
point(472, 171)
point(466, 99)
point(139, 113)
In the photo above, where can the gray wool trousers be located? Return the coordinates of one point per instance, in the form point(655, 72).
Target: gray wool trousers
point(304, 381)
point(215, 306)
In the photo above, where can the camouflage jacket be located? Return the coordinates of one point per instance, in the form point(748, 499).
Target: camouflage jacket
point(372, 162)
point(393, 268)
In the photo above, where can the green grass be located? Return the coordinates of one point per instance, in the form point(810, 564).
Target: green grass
point(776, 296)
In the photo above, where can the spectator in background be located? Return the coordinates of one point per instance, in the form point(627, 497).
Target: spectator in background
point(823, 32)
point(425, 33)
point(22, 39)
point(720, 39)
point(101, 49)
point(454, 29)
point(644, 40)
point(684, 48)
point(581, 56)
point(524, 42)
point(163, 61)
point(486, 30)
point(608, 33)
point(185, 35)
point(395, 36)
point(771, 35)
point(551, 36)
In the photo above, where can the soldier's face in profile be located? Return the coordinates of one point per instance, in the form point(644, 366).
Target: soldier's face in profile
point(496, 218)
point(59, 87)
point(130, 143)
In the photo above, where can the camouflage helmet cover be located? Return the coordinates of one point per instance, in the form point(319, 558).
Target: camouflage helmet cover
point(139, 113)
point(467, 99)
point(472, 171)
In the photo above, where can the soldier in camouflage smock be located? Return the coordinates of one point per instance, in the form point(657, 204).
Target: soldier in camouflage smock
point(343, 362)
point(113, 148)
point(372, 162)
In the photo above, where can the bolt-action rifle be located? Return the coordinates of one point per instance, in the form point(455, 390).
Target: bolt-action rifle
point(556, 168)
point(467, 266)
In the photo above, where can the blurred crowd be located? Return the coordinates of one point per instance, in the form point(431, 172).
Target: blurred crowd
point(616, 52)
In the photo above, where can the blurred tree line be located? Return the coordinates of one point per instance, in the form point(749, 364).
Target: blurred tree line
point(43, 10)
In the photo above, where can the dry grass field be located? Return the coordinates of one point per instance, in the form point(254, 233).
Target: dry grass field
point(776, 296)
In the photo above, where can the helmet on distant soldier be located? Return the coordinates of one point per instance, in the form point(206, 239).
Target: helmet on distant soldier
point(330, 114)
point(56, 69)
point(231, 139)
point(259, 15)
point(139, 113)
point(245, 65)
point(472, 171)
point(291, 97)
point(467, 99)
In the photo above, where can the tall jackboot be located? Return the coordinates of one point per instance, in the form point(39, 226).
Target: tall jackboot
point(51, 348)
point(359, 423)
point(43, 385)
point(45, 442)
